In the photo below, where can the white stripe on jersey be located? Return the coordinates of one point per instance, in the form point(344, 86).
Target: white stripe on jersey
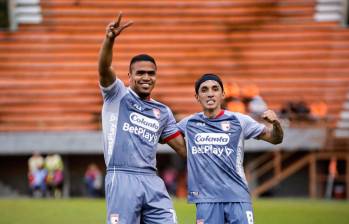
point(240, 159)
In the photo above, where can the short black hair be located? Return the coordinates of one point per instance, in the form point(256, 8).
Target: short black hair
point(142, 57)
point(206, 77)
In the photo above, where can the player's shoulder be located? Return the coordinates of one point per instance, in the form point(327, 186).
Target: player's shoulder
point(187, 118)
point(113, 92)
point(160, 106)
point(183, 123)
point(232, 115)
point(195, 117)
point(240, 117)
point(117, 83)
point(235, 114)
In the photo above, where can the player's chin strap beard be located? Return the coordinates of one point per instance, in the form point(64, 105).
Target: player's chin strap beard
point(140, 94)
point(143, 95)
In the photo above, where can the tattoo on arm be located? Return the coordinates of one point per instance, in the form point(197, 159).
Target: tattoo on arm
point(277, 133)
point(273, 133)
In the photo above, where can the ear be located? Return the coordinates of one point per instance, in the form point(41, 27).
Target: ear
point(197, 97)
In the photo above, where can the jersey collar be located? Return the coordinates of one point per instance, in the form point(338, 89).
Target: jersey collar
point(136, 95)
point(217, 116)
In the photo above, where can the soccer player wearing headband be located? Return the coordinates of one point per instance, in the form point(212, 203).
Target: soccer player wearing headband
point(215, 144)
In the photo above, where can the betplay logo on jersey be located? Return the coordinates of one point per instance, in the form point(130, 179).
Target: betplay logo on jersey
point(211, 143)
point(143, 126)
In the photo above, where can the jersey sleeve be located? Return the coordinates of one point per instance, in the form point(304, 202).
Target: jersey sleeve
point(250, 127)
point(182, 125)
point(171, 130)
point(117, 89)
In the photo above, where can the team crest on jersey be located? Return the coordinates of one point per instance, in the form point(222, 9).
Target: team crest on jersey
point(114, 218)
point(200, 221)
point(156, 112)
point(225, 125)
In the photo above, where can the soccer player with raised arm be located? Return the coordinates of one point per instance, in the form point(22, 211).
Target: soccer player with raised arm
point(133, 124)
point(215, 144)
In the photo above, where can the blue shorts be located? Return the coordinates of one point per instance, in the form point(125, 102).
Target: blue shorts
point(134, 198)
point(224, 213)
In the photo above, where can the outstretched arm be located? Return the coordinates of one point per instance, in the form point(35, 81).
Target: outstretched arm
point(273, 132)
point(106, 73)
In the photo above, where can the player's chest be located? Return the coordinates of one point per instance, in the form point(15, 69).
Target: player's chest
point(213, 132)
point(141, 114)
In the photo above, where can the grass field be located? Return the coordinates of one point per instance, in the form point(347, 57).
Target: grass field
point(66, 211)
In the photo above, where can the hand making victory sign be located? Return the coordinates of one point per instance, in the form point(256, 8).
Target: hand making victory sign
point(107, 75)
point(115, 28)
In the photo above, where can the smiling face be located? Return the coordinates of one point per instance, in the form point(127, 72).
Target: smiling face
point(142, 78)
point(210, 95)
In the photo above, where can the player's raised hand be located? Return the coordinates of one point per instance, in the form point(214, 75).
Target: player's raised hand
point(115, 28)
point(270, 116)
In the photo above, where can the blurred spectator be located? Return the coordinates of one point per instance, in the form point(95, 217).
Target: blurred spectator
point(38, 184)
point(54, 166)
point(295, 111)
point(93, 181)
point(302, 110)
point(248, 92)
point(254, 103)
point(318, 110)
point(232, 90)
point(285, 111)
point(245, 101)
point(235, 105)
point(256, 107)
point(35, 162)
point(37, 175)
point(332, 174)
point(232, 101)
point(169, 176)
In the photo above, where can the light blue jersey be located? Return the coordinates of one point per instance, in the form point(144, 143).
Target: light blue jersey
point(132, 128)
point(215, 156)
